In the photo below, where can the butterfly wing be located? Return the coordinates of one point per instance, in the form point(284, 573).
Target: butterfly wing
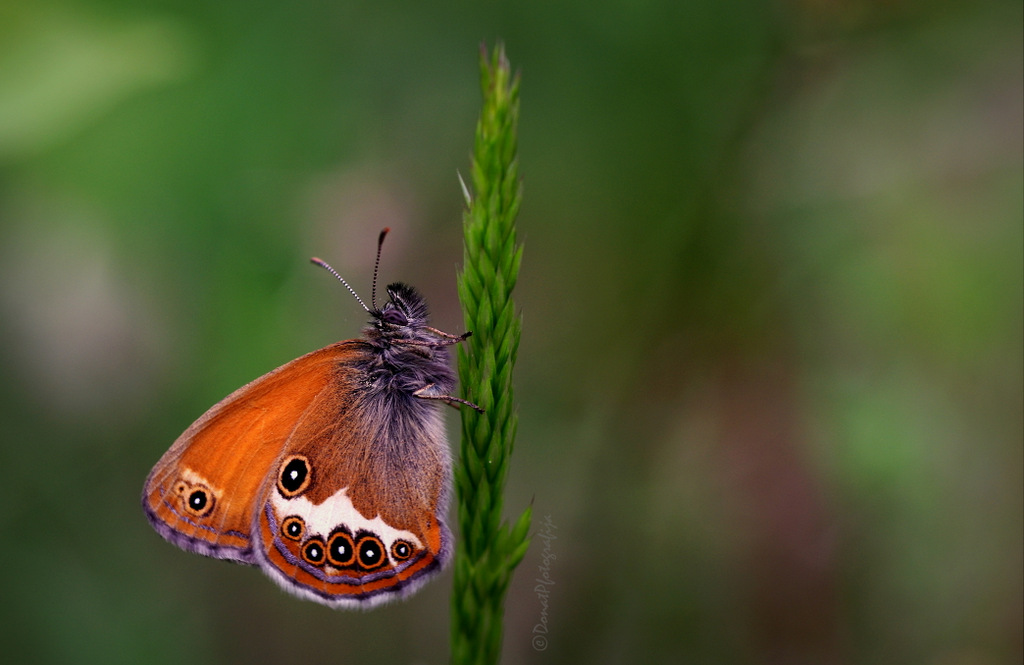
point(202, 494)
point(354, 515)
point(338, 492)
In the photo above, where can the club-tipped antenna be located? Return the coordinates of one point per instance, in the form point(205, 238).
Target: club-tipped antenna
point(323, 264)
point(376, 266)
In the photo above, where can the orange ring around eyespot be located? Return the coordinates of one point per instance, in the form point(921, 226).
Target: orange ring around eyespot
point(186, 499)
point(287, 492)
point(315, 541)
point(395, 550)
point(341, 563)
point(382, 553)
point(290, 521)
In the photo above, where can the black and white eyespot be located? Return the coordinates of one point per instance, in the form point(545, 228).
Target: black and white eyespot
point(196, 500)
point(370, 551)
point(293, 528)
point(313, 552)
point(401, 550)
point(341, 551)
point(395, 317)
point(294, 476)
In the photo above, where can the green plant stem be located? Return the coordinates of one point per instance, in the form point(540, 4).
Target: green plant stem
point(488, 550)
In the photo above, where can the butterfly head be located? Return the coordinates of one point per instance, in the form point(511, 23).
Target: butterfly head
point(403, 318)
point(405, 310)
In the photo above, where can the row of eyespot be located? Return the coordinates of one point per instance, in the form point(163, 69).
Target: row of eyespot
point(341, 551)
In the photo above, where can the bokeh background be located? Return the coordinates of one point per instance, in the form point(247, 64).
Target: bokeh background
point(770, 379)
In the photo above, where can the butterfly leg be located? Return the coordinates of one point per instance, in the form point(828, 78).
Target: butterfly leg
point(447, 340)
point(453, 339)
point(429, 392)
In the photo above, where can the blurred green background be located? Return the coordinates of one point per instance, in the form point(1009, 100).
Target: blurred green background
point(771, 368)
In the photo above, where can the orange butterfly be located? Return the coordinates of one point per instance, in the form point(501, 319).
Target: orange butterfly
point(331, 473)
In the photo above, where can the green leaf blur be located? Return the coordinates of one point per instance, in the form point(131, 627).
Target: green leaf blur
point(770, 379)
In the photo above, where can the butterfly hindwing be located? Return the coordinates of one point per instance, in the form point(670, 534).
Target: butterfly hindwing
point(354, 512)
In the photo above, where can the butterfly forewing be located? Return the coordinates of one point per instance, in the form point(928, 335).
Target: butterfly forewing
point(202, 494)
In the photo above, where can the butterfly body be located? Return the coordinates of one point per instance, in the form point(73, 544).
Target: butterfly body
point(331, 473)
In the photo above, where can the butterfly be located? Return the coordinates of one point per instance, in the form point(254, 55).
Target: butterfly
point(331, 473)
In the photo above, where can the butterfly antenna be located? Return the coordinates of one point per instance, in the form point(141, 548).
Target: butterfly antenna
point(323, 264)
point(376, 266)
